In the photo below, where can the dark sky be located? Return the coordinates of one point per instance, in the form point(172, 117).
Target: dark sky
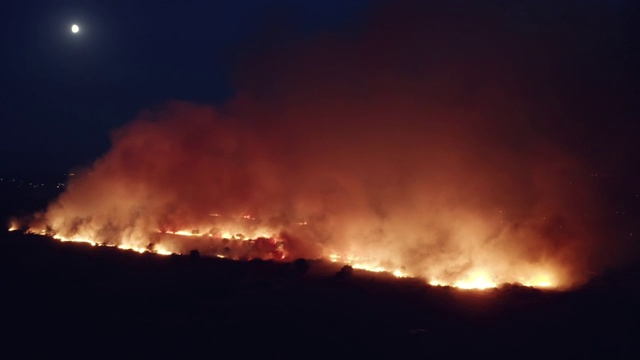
point(63, 93)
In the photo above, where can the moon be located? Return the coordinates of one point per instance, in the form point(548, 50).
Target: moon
point(75, 28)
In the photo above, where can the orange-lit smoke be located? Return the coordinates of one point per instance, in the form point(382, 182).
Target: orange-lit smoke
point(424, 160)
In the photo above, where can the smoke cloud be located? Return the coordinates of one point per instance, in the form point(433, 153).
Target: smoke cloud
point(425, 141)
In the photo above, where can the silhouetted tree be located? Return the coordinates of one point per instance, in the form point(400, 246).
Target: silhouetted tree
point(300, 266)
point(345, 273)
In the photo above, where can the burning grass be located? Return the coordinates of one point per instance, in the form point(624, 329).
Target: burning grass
point(240, 247)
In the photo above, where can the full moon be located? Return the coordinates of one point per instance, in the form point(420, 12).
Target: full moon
point(75, 28)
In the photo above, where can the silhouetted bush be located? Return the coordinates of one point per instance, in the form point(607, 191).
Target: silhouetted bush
point(345, 273)
point(300, 266)
point(194, 254)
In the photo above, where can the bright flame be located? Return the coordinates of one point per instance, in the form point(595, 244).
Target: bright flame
point(162, 251)
point(78, 239)
point(13, 225)
point(475, 280)
point(366, 264)
point(249, 240)
point(481, 281)
point(182, 233)
point(75, 239)
point(239, 233)
point(478, 281)
point(540, 281)
point(223, 244)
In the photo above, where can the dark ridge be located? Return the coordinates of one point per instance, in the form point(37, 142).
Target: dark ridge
point(85, 300)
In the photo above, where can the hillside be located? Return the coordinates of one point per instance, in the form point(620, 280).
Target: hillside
point(75, 298)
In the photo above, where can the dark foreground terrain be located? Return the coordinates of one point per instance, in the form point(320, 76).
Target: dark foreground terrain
point(74, 299)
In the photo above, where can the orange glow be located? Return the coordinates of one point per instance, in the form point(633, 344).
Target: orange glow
point(476, 281)
point(473, 278)
point(239, 234)
point(13, 225)
point(162, 251)
point(182, 233)
point(450, 203)
point(75, 239)
point(480, 280)
point(367, 264)
point(540, 281)
point(376, 161)
point(222, 244)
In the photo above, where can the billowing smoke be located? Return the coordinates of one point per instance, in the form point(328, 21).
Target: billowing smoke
point(423, 143)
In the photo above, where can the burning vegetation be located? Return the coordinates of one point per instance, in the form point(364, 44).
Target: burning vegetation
point(362, 154)
point(408, 202)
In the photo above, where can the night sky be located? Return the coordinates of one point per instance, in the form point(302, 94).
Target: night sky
point(64, 93)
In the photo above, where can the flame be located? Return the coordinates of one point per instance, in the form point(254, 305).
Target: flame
point(246, 242)
point(74, 239)
point(238, 233)
point(540, 281)
point(478, 281)
point(473, 280)
point(418, 173)
point(367, 264)
point(481, 280)
point(182, 233)
point(78, 239)
point(163, 252)
point(13, 225)
point(446, 203)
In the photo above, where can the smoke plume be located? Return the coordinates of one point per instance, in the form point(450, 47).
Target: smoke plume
point(424, 142)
